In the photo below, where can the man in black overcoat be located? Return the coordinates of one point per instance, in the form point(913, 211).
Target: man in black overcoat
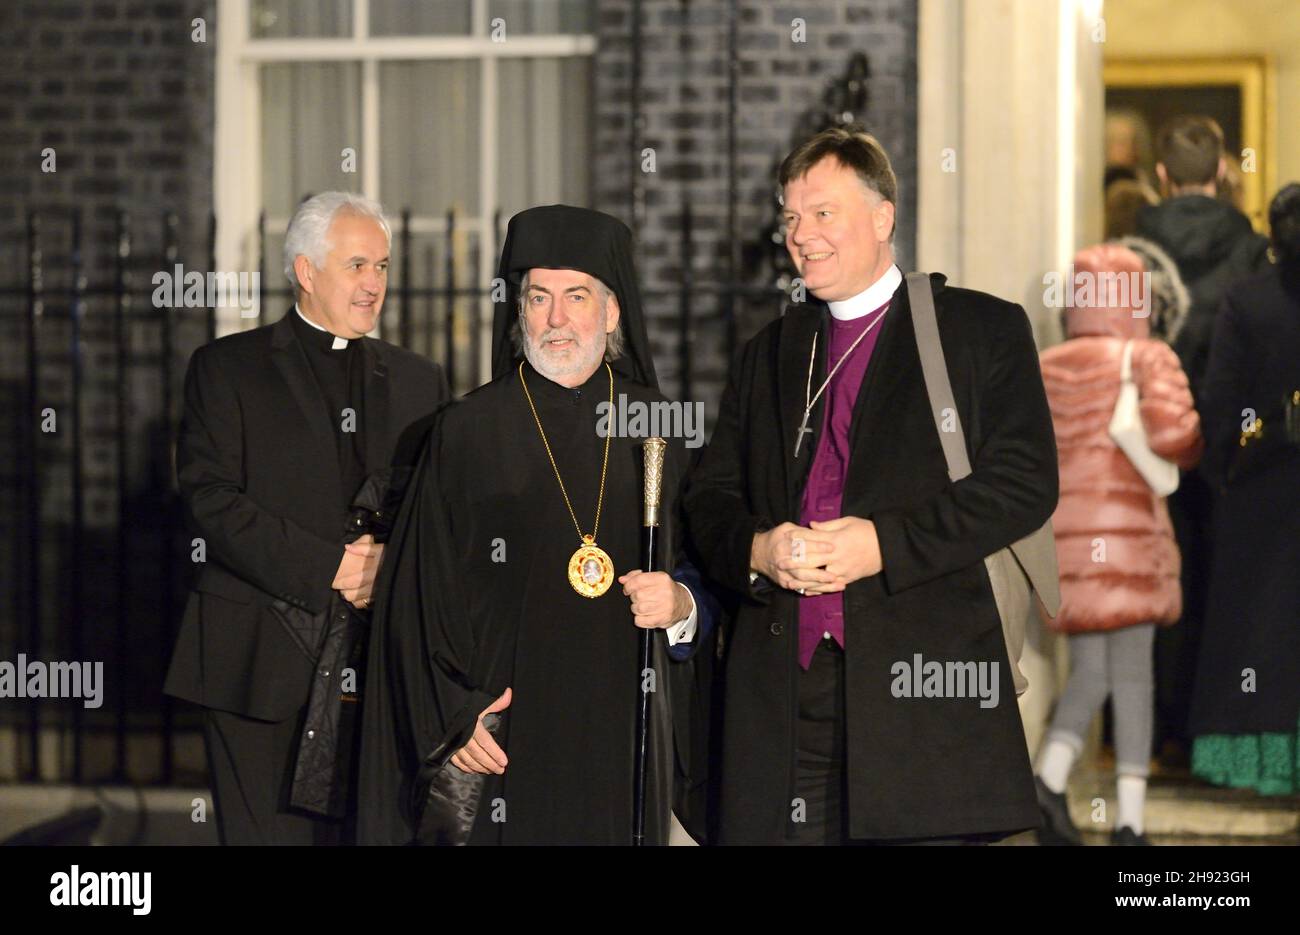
point(868, 696)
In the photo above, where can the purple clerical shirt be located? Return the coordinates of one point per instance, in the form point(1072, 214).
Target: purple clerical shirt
point(823, 614)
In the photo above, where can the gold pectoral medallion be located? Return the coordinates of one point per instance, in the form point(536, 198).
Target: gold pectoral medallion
point(591, 570)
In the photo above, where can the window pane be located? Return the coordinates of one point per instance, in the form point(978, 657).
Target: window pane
point(420, 17)
point(273, 269)
point(278, 292)
point(430, 301)
point(295, 19)
point(544, 135)
point(311, 111)
point(429, 123)
point(542, 16)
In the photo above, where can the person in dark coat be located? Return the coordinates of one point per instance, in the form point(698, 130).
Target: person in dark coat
point(1211, 241)
point(1213, 244)
point(1246, 704)
point(858, 564)
point(281, 429)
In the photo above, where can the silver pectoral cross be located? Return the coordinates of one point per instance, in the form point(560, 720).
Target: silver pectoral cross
point(803, 430)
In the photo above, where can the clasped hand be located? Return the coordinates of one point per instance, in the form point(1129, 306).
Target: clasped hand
point(821, 558)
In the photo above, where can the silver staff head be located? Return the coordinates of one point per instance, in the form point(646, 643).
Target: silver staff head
point(654, 478)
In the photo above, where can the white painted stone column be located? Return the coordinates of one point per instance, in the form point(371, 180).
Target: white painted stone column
point(1009, 157)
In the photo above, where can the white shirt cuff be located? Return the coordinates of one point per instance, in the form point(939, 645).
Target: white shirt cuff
point(683, 631)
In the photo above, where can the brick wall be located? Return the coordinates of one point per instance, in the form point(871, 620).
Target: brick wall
point(684, 105)
point(123, 96)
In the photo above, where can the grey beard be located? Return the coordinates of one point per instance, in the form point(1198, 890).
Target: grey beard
point(586, 365)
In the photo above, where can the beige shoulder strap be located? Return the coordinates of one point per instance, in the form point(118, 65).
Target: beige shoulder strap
point(1036, 553)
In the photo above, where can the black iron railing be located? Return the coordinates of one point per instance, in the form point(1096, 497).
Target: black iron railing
point(112, 588)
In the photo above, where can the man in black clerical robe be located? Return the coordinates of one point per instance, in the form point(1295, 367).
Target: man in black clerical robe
point(475, 606)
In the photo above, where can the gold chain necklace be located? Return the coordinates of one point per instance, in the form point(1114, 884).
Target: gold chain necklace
point(591, 570)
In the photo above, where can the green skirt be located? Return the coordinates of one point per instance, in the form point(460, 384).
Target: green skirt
point(1267, 763)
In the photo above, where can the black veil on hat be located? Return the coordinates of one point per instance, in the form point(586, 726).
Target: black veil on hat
point(565, 237)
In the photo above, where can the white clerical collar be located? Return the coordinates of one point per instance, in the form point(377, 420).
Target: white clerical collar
point(871, 298)
point(339, 343)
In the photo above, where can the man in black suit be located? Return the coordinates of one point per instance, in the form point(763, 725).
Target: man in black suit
point(286, 429)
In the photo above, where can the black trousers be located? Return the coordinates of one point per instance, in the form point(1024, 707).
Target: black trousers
point(250, 764)
point(819, 812)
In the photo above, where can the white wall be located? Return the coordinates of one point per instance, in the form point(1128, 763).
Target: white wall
point(1011, 90)
point(1010, 96)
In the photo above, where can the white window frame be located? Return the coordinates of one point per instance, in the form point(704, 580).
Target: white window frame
point(237, 141)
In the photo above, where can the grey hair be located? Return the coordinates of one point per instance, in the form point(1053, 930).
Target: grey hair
point(308, 233)
point(613, 340)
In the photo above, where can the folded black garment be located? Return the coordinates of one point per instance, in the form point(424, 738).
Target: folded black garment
point(451, 801)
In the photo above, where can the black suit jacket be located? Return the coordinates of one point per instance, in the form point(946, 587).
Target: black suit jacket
point(917, 767)
point(259, 475)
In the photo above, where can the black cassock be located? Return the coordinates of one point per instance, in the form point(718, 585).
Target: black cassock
point(474, 597)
